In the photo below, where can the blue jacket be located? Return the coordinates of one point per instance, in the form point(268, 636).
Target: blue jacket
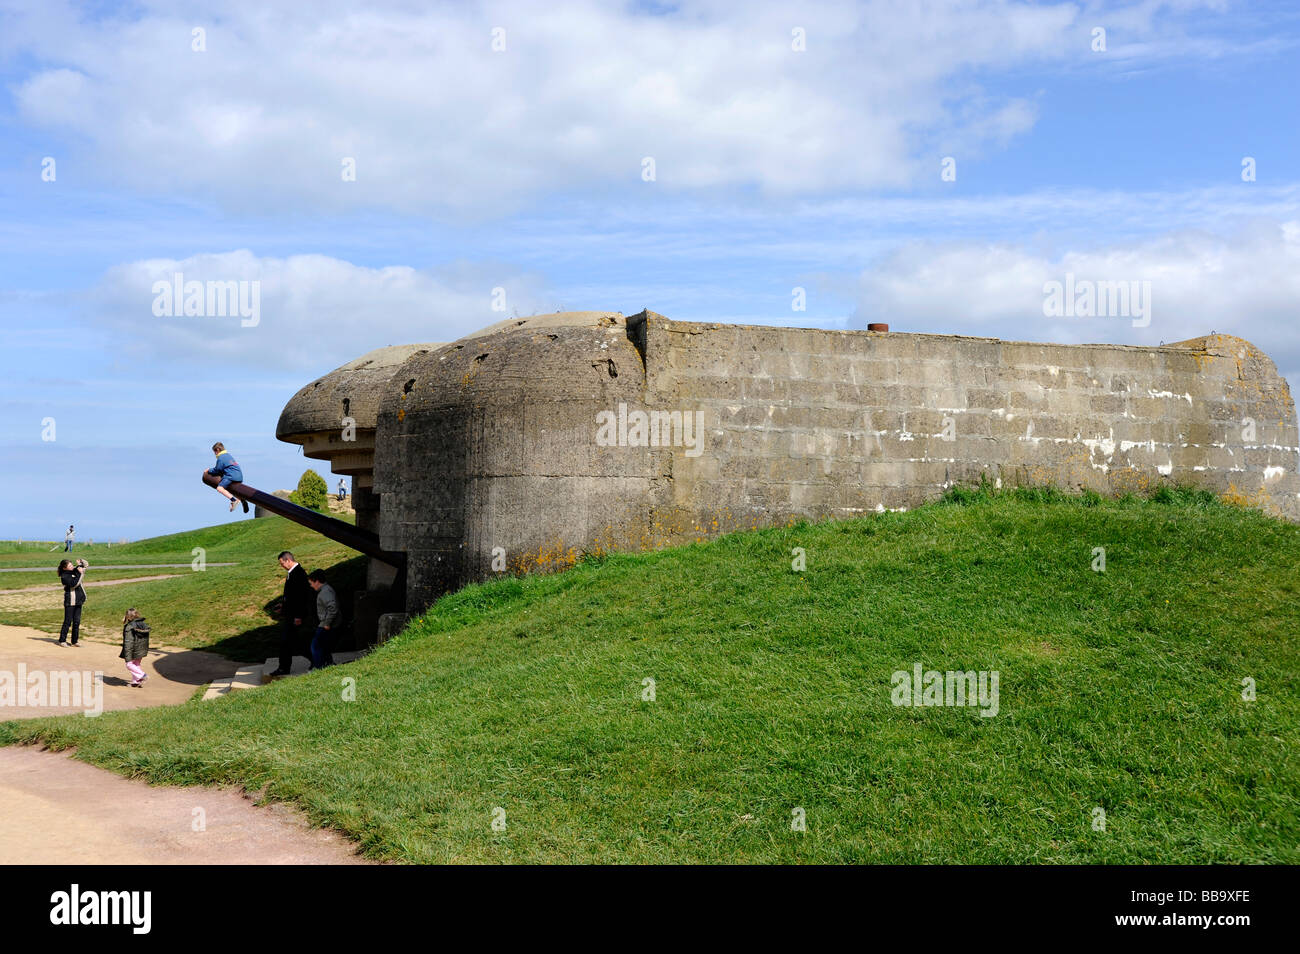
point(226, 466)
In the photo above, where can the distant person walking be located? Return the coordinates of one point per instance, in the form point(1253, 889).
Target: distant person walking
point(296, 608)
point(343, 490)
point(69, 538)
point(135, 645)
point(74, 597)
point(327, 613)
point(228, 469)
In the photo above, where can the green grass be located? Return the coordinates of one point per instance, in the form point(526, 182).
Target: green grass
point(1120, 690)
point(226, 609)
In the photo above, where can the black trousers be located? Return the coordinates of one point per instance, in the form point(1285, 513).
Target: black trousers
point(71, 617)
point(293, 642)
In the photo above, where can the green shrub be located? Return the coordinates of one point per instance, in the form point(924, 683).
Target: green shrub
point(311, 491)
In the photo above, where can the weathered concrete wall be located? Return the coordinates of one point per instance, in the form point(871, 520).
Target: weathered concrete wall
point(488, 443)
point(334, 419)
point(832, 424)
point(491, 442)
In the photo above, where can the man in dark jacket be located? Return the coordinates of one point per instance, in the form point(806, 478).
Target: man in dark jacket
point(298, 608)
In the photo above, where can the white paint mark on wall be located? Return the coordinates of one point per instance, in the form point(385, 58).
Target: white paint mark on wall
point(1105, 446)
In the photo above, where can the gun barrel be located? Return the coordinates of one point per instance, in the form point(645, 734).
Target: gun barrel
point(362, 541)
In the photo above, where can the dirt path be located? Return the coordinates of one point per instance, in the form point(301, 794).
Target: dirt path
point(56, 810)
point(26, 598)
point(45, 587)
point(89, 583)
point(108, 566)
point(174, 674)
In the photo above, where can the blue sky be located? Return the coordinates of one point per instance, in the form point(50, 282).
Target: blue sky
point(522, 169)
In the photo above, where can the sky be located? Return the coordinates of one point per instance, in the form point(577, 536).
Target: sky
point(409, 172)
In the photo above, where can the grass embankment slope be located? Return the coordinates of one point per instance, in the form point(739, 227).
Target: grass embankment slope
point(1119, 690)
point(223, 608)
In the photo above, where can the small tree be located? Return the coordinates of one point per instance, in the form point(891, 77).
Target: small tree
point(311, 491)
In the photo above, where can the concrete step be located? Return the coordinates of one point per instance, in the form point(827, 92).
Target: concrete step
point(249, 678)
point(216, 690)
point(300, 664)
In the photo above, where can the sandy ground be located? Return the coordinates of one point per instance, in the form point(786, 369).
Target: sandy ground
point(37, 597)
point(89, 583)
point(108, 566)
point(174, 674)
point(56, 810)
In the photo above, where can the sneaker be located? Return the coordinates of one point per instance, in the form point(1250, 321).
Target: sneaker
point(135, 685)
point(245, 503)
point(278, 673)
point(233, 501)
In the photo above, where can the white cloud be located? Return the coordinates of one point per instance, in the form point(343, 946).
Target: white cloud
point(1245, 284)
point(316, 312)
point(437, 121)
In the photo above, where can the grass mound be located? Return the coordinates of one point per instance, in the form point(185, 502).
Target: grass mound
point(691, 704)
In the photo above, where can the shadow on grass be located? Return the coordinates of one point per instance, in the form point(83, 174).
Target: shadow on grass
point(262, 642)
point(252, 645)
point(191, 667)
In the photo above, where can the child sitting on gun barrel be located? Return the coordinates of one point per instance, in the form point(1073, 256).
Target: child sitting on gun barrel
point(228, 469)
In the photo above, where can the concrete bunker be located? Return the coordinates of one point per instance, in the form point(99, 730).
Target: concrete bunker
point(494, 451)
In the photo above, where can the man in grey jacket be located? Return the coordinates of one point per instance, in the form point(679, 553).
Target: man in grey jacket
point(327, 615)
